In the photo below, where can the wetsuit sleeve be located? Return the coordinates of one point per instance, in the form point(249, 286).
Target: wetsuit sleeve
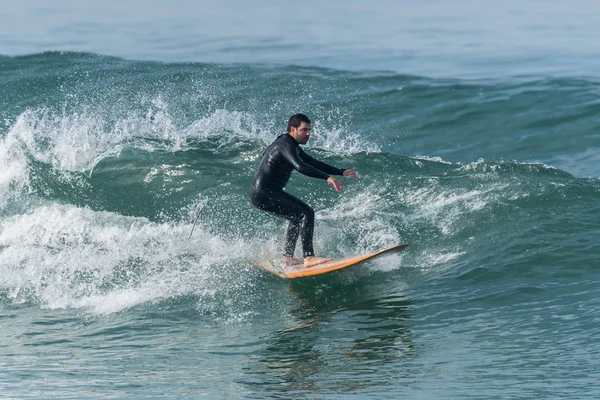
point(320, 165)
point(292, 154)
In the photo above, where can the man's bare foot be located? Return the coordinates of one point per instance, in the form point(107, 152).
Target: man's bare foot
point(311, 261)
point(289, 261)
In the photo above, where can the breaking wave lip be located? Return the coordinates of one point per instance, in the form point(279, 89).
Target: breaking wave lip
point(432, 159)
point(75, 143)
point(482, 162)
point(482, 166)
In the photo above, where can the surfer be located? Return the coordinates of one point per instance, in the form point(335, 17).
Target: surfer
point(274, 169)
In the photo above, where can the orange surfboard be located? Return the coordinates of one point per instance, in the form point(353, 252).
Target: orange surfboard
point(298, 271)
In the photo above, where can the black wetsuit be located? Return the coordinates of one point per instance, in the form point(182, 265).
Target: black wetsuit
point(266, 191)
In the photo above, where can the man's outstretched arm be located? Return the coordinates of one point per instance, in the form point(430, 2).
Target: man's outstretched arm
point(292, 154)
point(320, 165)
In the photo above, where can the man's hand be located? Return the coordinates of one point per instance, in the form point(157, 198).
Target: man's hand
point(335, 183)
point(350, 172)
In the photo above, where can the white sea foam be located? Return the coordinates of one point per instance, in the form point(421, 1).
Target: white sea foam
point(68, 257)
point(433, 159)
point(341, 142)
point(444, 209)
point(369, 224)
point(70, 144)
point(374, 222)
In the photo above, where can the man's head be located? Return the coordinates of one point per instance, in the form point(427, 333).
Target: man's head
point(299, 128)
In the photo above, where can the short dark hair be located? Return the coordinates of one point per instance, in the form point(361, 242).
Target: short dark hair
point(296, 120)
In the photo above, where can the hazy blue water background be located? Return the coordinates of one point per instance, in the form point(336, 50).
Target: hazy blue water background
point(473, 126)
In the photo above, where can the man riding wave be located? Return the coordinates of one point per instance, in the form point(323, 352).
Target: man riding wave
point(274, 170)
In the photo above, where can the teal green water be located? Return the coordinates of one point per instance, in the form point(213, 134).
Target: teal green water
point(106, 162)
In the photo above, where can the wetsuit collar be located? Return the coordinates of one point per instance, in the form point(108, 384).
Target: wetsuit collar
point(291, 137)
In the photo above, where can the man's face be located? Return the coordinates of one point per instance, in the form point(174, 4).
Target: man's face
point(301, 133)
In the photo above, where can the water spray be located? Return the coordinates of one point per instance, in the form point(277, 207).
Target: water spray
point(198, 214)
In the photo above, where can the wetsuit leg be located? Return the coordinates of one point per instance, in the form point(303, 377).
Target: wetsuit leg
point(300, 215)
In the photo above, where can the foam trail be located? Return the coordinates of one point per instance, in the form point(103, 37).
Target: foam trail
point(63, 256)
